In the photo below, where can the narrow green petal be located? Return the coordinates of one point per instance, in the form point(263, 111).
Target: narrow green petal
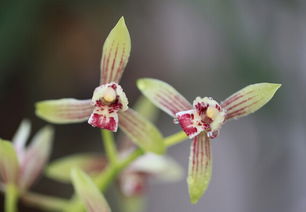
point(61, 168)
point(64, 111)
point(163, 95)
point(91, 197)
point(36, 157)
point(249, 99)
point(9, 167)
point(116, 52)
point(200, 167)
point(141, 132)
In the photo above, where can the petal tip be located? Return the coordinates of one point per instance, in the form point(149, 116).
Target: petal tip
point(141, 83)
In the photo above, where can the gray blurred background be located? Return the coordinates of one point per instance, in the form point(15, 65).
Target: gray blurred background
point(52, 49)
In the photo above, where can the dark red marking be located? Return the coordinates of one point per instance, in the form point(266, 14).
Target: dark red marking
point(103, 122)
point(186, 123)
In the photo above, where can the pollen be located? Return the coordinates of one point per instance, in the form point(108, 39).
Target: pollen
point(109, 95)
point(212, 112)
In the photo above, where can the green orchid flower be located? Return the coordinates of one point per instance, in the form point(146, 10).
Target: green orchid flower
point(108, 107)
point(203, 120)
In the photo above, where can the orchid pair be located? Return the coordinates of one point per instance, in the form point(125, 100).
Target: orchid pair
point(20, 166)
point(108, 109)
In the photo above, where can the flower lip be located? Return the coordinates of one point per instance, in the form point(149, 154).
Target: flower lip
point(108, 100)
point(207, 115)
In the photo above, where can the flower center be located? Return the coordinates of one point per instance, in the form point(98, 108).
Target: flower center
point(109, 95)
point(206, 115)
point(212, 112)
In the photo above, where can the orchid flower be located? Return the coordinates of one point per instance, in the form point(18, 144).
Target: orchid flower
point(22, 165)
point(108, 107)
point(89, 194)
point(202, 121)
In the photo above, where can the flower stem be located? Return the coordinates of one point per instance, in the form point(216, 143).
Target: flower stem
point(11, 196)
point(44, 202)
point(109, 145)
point(175, 138)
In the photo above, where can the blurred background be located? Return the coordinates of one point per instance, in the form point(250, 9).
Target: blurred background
point(52, 49)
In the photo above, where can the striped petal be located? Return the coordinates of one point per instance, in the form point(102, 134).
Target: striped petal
point(163, 96)
point(200, 167)
point(8, 162)
point(64, 111)
point(141, 131)
point(249, 99)
point(21, 137)
point(116, 52)
point(88, 192)
point(36, 157)
point(60, 169)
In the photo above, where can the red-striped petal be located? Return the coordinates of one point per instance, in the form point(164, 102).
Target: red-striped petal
point(64, 111)
point(249, 99)
point(163, 96)
point(116, 52)
point(141, 131)
point(200, 167)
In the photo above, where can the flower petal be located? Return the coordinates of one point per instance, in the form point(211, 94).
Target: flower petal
point(116, 52)
point(36, 156)
point(108, 121)
point(145, 108)
point(163, 96)
point(8, 162)
point(21, 137)
point(163, 168)
point(200, 163)
point(133, 183)
point(61, 168)
point(88, 192)
point(141, 131)
point(249, 99)
point(64, 111)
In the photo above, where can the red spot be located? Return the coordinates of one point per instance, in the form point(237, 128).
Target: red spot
point(114, 86)
point(201, 108)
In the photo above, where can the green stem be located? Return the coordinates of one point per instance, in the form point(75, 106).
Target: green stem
point(11, 197)
point(44, 202)
point(109, 145)
point(175, 138)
